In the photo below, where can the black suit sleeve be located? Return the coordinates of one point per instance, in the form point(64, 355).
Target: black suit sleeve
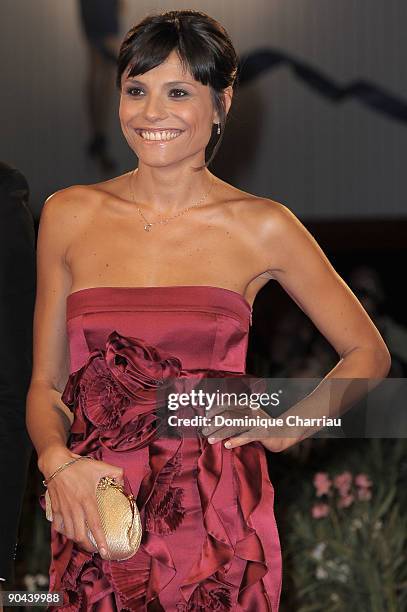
point(17, 295)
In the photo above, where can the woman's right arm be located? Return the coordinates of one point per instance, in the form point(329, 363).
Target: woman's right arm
point(48, 420)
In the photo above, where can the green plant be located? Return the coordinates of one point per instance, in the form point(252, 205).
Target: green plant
point(346, 544)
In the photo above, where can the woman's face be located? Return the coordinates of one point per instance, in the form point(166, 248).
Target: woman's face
point(166, 116)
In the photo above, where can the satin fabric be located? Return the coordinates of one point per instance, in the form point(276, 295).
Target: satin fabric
point(210, 540)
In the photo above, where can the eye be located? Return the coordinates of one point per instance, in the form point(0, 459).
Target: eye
point(185, 93)
point(134, 92)
point(131, 91)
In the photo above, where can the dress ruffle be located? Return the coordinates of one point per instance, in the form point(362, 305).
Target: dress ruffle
point(115, 398)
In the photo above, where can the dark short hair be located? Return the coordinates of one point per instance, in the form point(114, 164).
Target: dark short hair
point(203, 47)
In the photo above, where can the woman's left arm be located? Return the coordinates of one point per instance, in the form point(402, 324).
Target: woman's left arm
point(300, 266)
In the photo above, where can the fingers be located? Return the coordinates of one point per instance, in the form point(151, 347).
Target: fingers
point(63, 523)
point(81, 530)
point(273, 444)
point(74, 507)
point(217, 435)
point(231, 424)
point(61, 518)
point(77, 521)
point(58, 522)
point(92, 521)
point(238, 441)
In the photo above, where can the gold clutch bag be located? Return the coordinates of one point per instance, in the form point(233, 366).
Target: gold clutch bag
point(119, 516)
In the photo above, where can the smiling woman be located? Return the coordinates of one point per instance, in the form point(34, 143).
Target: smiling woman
point(148, 280)
point(204, 53)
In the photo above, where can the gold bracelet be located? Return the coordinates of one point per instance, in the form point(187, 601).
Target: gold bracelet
point(62, 467)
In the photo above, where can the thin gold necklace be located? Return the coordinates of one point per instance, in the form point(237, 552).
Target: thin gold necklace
point(149, 224)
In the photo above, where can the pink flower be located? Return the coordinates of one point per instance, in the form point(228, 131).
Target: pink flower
point(364, 494)
point(345, 501)
point(342, 482)
point(362, 480)
point(322, 483)
point(319, 510)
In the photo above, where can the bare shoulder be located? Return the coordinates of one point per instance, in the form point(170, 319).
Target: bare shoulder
point(64, 215)
point(263, 218)
point(75, 205)
point(280, 236)
point(277, 220)
point(287, 244)
point(269, 213)
point(83, 196)
point(65, 202)
point(256, 207)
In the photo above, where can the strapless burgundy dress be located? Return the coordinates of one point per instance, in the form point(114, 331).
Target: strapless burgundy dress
point(210, 540)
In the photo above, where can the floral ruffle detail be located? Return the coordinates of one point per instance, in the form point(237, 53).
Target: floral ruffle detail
point(210, 595)
point(164, 511)
point(77, 574)
point(114, 396)
point(115, 399)
point(101, 399)
point(221, 546)
point(131, 581)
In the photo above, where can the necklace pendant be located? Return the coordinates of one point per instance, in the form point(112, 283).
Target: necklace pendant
point(148, 227)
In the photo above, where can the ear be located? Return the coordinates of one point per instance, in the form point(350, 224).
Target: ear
point(228, 96)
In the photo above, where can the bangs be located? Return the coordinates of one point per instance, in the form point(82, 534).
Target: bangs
point(149, 49)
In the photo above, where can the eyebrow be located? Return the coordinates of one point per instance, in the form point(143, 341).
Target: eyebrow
point(134, 80)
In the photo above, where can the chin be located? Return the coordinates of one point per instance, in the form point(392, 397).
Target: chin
point(152, 163)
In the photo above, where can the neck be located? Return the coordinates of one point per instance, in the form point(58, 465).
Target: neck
point(166, 191)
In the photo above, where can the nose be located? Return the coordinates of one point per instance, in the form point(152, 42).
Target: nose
point(154, 108)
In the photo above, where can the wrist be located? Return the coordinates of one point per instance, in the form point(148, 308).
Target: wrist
point(52, 457)
point(277, 444)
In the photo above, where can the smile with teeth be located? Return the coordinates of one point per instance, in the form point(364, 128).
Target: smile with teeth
point(164, 135)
